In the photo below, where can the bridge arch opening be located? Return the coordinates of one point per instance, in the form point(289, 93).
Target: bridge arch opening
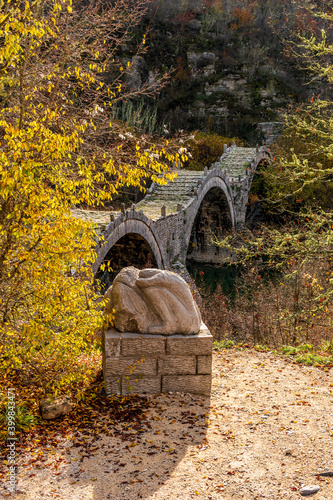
point(130, 250)
point(213, 219)
point(255, 210)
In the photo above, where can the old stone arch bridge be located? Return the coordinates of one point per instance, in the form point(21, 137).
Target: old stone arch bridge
point(175, 222)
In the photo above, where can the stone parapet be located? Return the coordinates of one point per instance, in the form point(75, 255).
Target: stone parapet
point(150, 364)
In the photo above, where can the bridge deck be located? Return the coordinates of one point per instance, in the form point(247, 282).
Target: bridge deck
point(182, 190)
point(237, 160)
point(98, 218)
point(234, 163)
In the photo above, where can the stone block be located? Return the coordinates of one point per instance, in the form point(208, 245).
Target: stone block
point(112, 343)
point(194, 384)
point(144, 385)
point(200, 344)
point(177, 365)
point(134, 344)
point(112, 385)
point(118, 366)
point(204, 365)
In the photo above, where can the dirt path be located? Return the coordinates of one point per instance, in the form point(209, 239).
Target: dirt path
point(266, 430)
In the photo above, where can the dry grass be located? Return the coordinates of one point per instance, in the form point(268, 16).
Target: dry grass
point(284, 310)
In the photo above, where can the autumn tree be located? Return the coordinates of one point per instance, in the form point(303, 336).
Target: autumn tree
point(62, 67)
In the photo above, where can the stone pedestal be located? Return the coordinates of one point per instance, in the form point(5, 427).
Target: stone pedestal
point(151, 364)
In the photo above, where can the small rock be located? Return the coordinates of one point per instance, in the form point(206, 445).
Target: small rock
point(55, 408)
point(309, 490)
point(289, 452)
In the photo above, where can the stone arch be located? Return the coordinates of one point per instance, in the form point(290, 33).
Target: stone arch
point(211, 181)
point(214, 180)
point(139, 225)
point(264, 155)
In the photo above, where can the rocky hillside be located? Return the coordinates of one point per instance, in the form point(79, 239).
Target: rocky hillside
point(230, 71)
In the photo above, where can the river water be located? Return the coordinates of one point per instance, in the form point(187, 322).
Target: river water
point(207, 277)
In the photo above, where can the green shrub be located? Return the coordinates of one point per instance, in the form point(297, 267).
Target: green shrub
point(206, 148)
point(24, 418)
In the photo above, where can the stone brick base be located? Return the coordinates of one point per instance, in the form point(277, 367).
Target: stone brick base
point(139, 364)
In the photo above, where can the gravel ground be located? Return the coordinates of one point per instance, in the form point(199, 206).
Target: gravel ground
point(266, 431)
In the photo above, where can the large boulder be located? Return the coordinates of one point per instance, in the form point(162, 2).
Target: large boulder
point(152, 301)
